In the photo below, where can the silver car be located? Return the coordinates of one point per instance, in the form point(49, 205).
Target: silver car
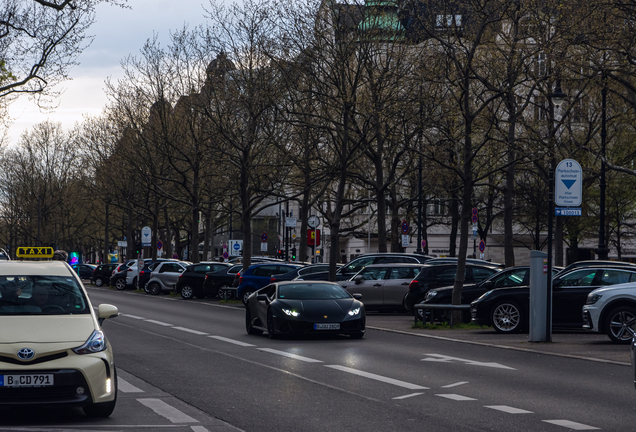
point(383, 286)
point(165, 275)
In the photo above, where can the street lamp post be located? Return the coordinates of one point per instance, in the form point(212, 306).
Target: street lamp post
point(602, 250)
point(556, 98)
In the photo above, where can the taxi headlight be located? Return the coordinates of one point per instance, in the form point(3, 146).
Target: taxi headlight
point(354, 312)
point(593, 298)
point(94, 344)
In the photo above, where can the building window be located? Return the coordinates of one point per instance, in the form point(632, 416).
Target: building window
point(448, 21)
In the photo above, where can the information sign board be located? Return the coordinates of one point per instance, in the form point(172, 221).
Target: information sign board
point(568, 183)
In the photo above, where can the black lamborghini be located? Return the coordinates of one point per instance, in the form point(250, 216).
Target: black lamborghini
point(303, 307)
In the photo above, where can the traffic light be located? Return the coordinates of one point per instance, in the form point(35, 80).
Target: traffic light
point(137, 249)
point(280, 253)
point(293, 254)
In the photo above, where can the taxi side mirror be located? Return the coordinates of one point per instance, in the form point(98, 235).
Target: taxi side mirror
point(106, 311)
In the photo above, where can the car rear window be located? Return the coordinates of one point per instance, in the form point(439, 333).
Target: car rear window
point(41, 295)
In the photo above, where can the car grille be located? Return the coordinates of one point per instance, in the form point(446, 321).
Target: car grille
point(64, 391)
point(302, 326)
point(36, 361)
point(587, 321)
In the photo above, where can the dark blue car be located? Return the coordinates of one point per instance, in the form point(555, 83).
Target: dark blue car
point(259, 275)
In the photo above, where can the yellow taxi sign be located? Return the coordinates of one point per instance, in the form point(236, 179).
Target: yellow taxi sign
point(34, 252)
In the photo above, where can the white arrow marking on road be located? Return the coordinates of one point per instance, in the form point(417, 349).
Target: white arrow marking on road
point(290, 355)
point(408, 395)
point(447, 359)
point(126, 387)
point(167, 411)
point(378, 377)
point(455, 397)
point(571, 425)
point(456, 384)
point(508, 409)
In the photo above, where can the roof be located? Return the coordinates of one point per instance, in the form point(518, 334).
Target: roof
point(35, 268)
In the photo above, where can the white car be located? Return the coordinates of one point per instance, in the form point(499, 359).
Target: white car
point(612, 310)
point(53, 351)
point(165, 275)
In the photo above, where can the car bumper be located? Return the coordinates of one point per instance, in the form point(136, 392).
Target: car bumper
point(295, 327)
point(590, 318)
point(78, 381)
point(477, 317)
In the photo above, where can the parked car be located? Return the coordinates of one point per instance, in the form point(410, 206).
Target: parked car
point(347, 271)
point(507, 309)
point(85, 271)
point(131, 276)
point(165, 275)
point(301, 272)
point(190, 282)
point(451, 260)
point(102, 273)
point(440, 275)
point(258, 275)
point(220, 282)
point(383, 286)
point(118, 279)
point(612, 310)
point(300, 307)
point(594, 263)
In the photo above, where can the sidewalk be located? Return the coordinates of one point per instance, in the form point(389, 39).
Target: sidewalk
point(576, 344)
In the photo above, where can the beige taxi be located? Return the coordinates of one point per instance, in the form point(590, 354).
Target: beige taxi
point(53, 351)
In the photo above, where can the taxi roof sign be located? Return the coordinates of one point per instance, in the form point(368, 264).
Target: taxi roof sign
point(34, 252)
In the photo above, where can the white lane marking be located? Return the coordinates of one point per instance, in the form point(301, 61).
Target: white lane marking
point(126, 387)
point(570, 424)
point(133, 316)
point(290, 355)
point(196, 332)
point(167, 411)
point(408, 395)
point(161, 323)
point(232, 341)
point(447, 359)
point(198, 429)
point(455, 397)
point(378, 377)
point(456, 384)
point(508, 409)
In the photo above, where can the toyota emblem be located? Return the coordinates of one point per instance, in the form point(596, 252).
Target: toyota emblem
point(26, 353)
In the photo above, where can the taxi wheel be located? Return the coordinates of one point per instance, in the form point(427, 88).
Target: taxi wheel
point(120, 284)
point(104, 409)
point(154, 288)
point(99, 282)
point(620, 324)
point(187, 293)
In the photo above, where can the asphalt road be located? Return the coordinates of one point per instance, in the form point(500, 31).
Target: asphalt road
point(189, 365)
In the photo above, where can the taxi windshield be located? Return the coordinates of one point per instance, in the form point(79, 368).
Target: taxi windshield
point(41, 295)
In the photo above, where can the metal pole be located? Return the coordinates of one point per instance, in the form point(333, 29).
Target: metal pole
point(548, 331)
point(419, 206)
point(230, 219)
point(602, 248)
point(286, 232)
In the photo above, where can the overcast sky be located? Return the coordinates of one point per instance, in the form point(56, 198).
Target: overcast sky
point(118, 32)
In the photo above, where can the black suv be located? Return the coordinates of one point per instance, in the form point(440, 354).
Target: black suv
point(102, 273)
point(190, 282)
point(441, 275)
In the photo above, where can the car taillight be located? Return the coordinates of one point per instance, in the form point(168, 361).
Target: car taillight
point(206, 277)
point(241, 280)
point(414, 285)
point(129, 269)
point(181, 275)
point(143, 271)
point(272, 279)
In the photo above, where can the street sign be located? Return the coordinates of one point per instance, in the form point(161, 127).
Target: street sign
point(313, 237)
point(568, 184)
point(235, 246)
point(474, 211)
point(159, 245)
point(264, 237)
point(405, 228)
point(293, 236)
point(423, 243)
point(122, 243)
point(482, 245)
point(474, 218)
point(225, 255)
point(264, 247)
point(146, 236)
point(313, 221)
point(290, 222)
point(568, 211)
point(405, 240)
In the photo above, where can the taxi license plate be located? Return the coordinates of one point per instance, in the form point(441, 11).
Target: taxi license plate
point(31, 380)
point(327, 326)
